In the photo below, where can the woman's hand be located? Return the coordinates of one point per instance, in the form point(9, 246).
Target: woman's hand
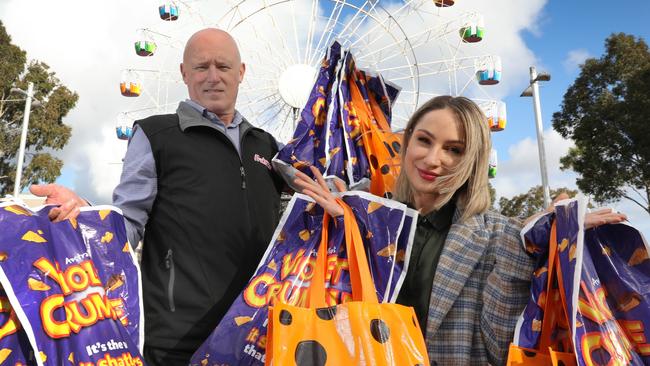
point(602, 217)
point(592, 219)
point(319, 191)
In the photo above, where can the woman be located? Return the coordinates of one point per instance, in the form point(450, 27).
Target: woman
point(468, 278)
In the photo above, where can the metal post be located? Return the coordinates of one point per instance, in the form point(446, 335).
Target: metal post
point(540, 136)
point(23, 139)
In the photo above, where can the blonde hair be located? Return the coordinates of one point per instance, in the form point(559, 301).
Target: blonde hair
point(467, 181)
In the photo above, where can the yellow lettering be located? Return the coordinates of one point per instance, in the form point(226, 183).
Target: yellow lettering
point(12, 324)
point(255, 292)
point(52, 270)
point(77, 317)
point(76, 278)
point(53, 328)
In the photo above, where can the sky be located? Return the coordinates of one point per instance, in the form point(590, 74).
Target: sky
point(88, 47)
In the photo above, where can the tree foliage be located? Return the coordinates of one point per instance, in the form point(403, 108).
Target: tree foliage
point(47, 132)
point(605, 112)
point(529, 203)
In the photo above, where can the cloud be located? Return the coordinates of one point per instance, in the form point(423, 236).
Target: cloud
point(520, 170)
point(575, 58)
point(88, 47)
point(637, 217)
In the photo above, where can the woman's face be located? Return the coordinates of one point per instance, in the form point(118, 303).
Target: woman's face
point(436, 145)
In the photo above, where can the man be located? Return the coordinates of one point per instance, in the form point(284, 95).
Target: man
point(198, 186)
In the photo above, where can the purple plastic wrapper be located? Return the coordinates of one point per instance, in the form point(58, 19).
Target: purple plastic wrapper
point(328, 134)
point(337, 156)
point(74, 285)
point(385, 93)
point(287, 266)
point(535, 239)
point(307, 147)
point(606, 278)
point(358, 167)
point(14, 345)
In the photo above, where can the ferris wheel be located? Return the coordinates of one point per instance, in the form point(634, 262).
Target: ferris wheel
point(421, 46)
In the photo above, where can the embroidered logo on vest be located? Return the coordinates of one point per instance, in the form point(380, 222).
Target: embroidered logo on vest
point(262, 160)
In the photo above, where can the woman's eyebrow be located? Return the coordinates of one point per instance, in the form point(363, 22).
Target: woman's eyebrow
point(459, 142)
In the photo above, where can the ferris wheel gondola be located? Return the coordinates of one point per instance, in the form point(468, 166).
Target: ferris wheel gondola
point(284, 41)
point(169, 11)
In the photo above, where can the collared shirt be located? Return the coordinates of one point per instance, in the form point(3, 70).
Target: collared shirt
point(232, 130)
point(429, 240)
point(138, 186)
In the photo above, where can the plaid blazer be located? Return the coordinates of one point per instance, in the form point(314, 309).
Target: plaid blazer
point(481, 286)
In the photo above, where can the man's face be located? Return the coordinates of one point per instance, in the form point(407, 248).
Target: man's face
point(212, 72)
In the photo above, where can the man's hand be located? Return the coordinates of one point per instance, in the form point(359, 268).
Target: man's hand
point(69, 201)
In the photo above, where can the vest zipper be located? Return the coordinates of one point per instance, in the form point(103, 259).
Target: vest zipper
point(243, 177)
point(169, 264)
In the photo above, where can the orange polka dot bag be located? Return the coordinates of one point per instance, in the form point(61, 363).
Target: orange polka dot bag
point(359, 332)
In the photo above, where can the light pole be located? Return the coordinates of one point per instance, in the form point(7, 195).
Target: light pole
point(29, 94)
point(533, 91)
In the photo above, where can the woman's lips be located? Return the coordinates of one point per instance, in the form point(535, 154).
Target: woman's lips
point(428, 176)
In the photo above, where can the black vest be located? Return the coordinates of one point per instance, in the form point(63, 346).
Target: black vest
point(212, 219)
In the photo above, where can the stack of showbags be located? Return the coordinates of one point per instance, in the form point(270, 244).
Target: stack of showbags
point(71, 289)
point(359, 332)
point(344, 129)
point(590, 295)
point(286, 271)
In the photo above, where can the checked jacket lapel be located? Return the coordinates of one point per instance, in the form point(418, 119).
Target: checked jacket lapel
point(465, 244)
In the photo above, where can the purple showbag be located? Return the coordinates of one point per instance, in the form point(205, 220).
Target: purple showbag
point(384, 92)
point(307, 147)
point(74, 285)
point(287, 266)
point(337, 155)
point(386, 248)
point(357, 167)
point(14, 345)
point(535, 236)
point(608, 299)
point(605, 274)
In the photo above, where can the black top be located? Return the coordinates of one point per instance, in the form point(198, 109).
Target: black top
point(429, 240)
point(212, 219)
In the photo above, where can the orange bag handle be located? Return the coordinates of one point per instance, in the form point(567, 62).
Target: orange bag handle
point(560, 282)
point(554, 272)
point(363, 288)
point(316, 294)
point(547, 325)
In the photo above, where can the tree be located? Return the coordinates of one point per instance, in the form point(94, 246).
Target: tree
point(493, 195)
point(46, 133)
point(605, 112)
point(529, 203)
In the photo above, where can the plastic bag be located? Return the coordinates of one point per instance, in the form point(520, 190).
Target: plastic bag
point(602, 277)
point(286, 270)
point(360, 332)
point(74, 285)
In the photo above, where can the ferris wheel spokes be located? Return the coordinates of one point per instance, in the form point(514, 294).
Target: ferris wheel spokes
point(328, 30)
